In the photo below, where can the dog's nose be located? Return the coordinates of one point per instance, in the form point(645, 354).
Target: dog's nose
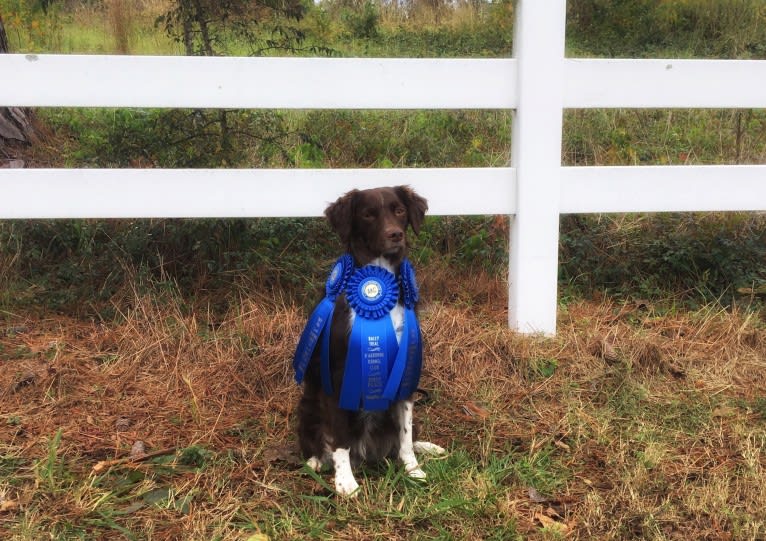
point(396, 235)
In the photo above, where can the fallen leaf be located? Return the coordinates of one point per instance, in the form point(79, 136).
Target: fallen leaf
point(8, 506)
point(546, 521)
point(676, 371)
point(561, 445)
point(535, 496)
point(18, 329)
point(551, 512)
point(644, 304)
point(138, 449)
point(475, 410)
point(760, 290)
point(551, 524)
point(122, 424)
point(609, 353)
point(282, 454)
point(156, 496)
point(24, 381)
point(259, 537)
point(602, 348)
point(724, 411)
point(132, 508)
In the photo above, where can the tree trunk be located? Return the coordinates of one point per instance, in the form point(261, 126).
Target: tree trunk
point(15, 122)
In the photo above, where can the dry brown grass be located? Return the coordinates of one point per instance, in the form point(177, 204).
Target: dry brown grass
point(626, 425)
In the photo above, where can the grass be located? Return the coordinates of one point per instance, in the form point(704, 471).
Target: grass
point(659, 434)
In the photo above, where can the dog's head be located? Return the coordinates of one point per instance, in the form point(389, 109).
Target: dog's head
point(373, 223)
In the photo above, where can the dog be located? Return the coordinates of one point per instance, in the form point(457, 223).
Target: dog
point(372, 225)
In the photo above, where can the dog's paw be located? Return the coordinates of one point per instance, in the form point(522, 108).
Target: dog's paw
point(429, 449)
point(417, 473)
point(314, 463)
point(346, 486)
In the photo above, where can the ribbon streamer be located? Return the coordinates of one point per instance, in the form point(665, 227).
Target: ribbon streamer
point(371, 292)
point(405, 373)
point(318, 325)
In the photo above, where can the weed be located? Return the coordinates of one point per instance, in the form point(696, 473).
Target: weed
point(544, 368)
point(50, 471)
point(195, 456)
point(759, 406)
point(540, 470)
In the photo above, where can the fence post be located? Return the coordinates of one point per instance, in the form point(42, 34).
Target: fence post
point(536, 156)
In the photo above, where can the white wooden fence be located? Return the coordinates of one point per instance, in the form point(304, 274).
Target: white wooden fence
point(538, 83)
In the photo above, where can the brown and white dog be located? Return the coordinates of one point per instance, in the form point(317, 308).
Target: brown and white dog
point(372, 225)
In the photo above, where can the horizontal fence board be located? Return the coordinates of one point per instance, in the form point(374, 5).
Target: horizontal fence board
point(221, 193)
point(269, 83)
point(368, 83)
point(663, 188)
point(593, 83)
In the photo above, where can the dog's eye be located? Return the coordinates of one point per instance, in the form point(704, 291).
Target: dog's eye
point(368, 215)
point(399, 211)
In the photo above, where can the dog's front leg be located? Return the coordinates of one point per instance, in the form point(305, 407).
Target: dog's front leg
point(406, 448)
point(340, 446)
point(345, 483)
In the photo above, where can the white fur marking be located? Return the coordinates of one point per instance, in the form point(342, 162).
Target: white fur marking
point(345, 484)
point(397, 320)
point(314, 463)
point(383, 262)
point(429, 449)
point(406, 450)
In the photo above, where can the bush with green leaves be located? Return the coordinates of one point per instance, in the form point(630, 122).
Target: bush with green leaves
point(651, 28)
point(693, 256)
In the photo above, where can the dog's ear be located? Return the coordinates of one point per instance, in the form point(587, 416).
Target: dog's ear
point(416, 206)
point(340, 215)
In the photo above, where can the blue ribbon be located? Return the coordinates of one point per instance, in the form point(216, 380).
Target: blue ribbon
point(318, 325)
point(378, 370)
point(410, 290)
point(405, 373)
point(371, 292)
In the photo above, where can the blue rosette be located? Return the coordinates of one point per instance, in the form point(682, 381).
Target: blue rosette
point(371, 292)
point(318, 326)
point(338, 277)
point(410, 291)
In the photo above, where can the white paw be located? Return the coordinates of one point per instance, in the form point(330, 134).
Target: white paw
point(346, 485)
point(417, 473)
point(314, 463)
point(429, 449)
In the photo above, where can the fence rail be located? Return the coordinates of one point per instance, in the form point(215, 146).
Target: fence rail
point(238, 193)
point(257, 83)
point(368, 83)
point(537, 84)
